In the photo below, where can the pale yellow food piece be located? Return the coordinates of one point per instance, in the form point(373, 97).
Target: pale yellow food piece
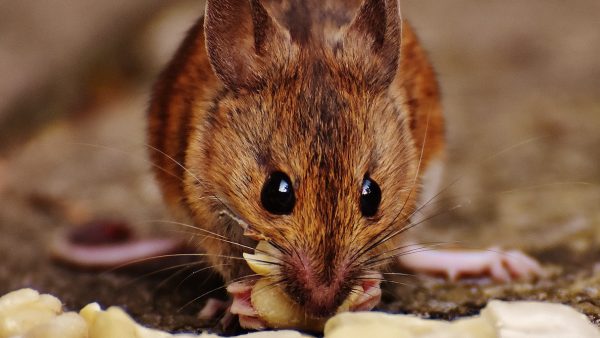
point(537, 320)
point(274, 306)
point(17, 298)
point(381, 325)
point(67, 325)
point(90, 312)
point(259, 261)
point(27, 314)
point(22, 310)
point(114, 322)
point(255, 263)
point(498, 320)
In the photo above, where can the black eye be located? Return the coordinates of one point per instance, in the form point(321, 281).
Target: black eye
point(277, 195)
point(370, 197)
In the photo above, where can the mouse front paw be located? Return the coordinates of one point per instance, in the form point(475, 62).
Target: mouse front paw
point(241, 305)
point(500, 265)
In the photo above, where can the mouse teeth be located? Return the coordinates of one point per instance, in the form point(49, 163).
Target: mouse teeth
point(264, 260)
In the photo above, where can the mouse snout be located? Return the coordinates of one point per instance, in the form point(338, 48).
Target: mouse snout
point(319, 288)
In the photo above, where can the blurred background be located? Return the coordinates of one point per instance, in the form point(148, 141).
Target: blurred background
point(521, 86)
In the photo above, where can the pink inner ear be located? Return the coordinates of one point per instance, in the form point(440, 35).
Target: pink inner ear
point(242, 40)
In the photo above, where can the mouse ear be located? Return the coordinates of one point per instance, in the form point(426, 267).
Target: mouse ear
point(373, 38)
point(242, 39)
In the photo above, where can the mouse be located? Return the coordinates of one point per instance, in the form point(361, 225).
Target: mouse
point(315, 126)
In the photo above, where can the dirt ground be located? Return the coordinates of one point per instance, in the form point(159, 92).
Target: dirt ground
point(521, 84)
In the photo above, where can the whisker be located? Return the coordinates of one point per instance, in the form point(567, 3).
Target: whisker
point(99, 146)
point(156, 272)
point(168, 256)
point(290, 244)
point(407, 227)
point(383, 260)
point(418, 248)
point(411, 225)
point(520, 189)
point(384, 280)
point(216, 289)
point(403, 274)
point(216, 236)
point(121, 151)
point(362, 250)
point(514, 146)
point(417, 174)
point(195, 272)
point(172, 276)
point(379, 241)
point(417, 245)
point(189, 172)
point(212, 235)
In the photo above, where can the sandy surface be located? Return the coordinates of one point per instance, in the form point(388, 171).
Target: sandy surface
point(521, 91)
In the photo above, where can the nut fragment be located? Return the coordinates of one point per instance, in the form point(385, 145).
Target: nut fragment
point(274, 306)
point(279, 311)
point(264, 259)
point(25, 309)
point(67, 325)
point(44, 319)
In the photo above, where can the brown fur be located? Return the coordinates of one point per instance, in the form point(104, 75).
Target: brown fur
point(320, 90)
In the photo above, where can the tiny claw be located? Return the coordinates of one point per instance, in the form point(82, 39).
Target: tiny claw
point(523, 266)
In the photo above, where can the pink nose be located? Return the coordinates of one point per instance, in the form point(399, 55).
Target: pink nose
point(320, 290)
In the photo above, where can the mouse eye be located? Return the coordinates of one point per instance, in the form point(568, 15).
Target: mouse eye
point(370, 197)
point(277, 196)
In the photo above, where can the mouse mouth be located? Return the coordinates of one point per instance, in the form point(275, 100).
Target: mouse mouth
point(316, 299)
point(266, 302)
point(325, 301)
point(260, 304)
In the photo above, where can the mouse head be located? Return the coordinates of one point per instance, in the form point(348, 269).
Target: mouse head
point(306, 145)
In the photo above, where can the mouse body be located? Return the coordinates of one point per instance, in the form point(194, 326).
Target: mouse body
point(315, 126)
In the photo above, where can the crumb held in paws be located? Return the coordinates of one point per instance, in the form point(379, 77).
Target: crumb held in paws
point(262, 303)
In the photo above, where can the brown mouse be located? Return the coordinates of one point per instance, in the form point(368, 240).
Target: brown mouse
point(314, 125)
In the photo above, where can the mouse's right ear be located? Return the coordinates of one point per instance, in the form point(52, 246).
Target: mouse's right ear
point(243, 41)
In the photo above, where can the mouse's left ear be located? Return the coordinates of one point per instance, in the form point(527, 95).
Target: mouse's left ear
point(243, 42)
point(373, 40)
